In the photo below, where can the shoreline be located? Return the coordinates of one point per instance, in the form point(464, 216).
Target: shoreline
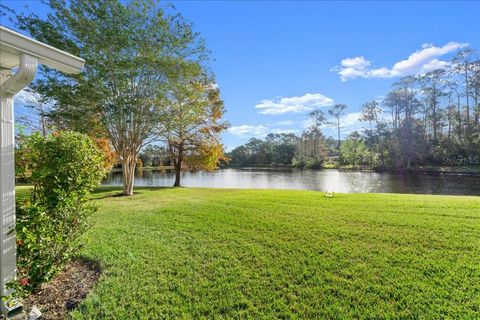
point(422, 170)
point(471, 171)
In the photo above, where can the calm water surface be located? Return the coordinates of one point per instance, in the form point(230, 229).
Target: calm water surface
point(323, 180)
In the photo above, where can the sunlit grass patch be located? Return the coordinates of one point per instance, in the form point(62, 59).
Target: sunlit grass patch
point(216, 253)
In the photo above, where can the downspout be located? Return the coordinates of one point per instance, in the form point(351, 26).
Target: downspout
point(9, 86)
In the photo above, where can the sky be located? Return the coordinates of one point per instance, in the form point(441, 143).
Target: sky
point(276, 61)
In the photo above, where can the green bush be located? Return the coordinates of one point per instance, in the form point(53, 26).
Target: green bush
point(298, 163)
point(314, 164)
point(65, 168)
point(21, 157)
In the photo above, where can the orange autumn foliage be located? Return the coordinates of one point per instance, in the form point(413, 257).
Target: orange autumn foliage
point(110, 156)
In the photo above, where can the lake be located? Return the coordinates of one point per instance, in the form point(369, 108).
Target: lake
point(322, 180)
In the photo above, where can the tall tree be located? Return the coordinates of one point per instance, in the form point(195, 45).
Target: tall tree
point(371, 112)
point(474, 86)
point(454, 97)
point(337, 111)
point(130, 51)
point(192, 123)
point(433, 89)
point(462, 64)
point(404, 103)
point(318, 119)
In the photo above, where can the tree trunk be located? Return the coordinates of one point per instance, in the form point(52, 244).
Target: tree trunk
point(477, 118)
point(178, 167)
point(380, 142)
point(338, 131)
point(435, 124)
point(459, 119)
point(467, 96)
point(372, 142)
point(177, 176)
point(42, 120)
point(476, 107)
point(128, 168)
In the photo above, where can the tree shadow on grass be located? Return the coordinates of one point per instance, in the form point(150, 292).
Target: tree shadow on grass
point(104, 192)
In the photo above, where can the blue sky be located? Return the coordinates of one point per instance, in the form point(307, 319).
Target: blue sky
point(274, 61)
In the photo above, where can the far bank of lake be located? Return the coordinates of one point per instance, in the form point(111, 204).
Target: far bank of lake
point(332, 180)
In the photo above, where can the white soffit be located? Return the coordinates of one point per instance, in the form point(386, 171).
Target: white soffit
point(12, 44)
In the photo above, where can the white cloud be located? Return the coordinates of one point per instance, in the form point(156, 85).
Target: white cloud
point(248, 130)
point(434, 65)
point(421, 61)
point(352, 68)
point(286, 131)
point(305, 103)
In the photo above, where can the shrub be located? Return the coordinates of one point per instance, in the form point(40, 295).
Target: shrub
point(314, 164)
point(298, 163)
point(22, 165)
point(65, 168)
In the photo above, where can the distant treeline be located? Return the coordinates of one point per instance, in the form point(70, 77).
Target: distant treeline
point(281, 150)
point(430, 119)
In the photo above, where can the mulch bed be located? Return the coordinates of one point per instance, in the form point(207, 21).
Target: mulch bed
point(57, 298)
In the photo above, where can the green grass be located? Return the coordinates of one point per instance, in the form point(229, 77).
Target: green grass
point(265, 254)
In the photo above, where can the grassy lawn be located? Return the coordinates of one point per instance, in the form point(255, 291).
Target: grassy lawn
point(264, 254)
